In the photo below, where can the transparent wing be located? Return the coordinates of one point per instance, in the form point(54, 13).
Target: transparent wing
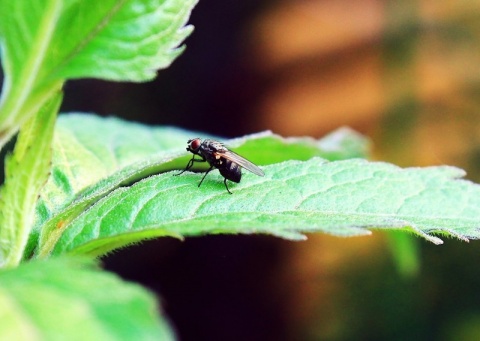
point(229, 155)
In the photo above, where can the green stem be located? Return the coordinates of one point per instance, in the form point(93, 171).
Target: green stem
point(26, 171)
point(405, 252)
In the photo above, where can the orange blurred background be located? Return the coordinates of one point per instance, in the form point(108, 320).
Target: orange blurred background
point(404, 73)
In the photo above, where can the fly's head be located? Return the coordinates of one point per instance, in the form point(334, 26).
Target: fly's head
point(194, 145)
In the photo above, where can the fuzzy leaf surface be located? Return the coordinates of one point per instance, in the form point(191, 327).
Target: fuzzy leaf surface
point(88, 149)
point(93, 156)
point(126, 40)
point(73, 300)
point(45, 43)
point(343, 198)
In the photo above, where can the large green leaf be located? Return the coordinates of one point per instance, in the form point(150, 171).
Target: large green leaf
point(98, 202)
point(71, 300)
point(342, 198)
point(94, 156)
point(88, 148)
point(47, 42)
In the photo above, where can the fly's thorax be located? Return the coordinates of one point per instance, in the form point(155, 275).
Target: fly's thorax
point(211, 150)
point(214, 146)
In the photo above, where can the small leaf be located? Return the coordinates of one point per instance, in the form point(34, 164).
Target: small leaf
point(71, 300)
point(341, 198)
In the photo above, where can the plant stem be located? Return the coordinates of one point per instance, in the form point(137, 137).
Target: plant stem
point(26, 172)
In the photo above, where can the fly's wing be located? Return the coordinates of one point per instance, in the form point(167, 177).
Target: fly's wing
point(229, 155)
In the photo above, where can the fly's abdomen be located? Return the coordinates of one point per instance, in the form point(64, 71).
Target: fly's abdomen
point(230, 170)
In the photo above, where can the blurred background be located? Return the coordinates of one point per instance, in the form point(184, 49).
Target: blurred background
point(406, 74)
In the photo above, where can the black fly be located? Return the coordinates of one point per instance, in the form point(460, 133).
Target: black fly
point(217, 155)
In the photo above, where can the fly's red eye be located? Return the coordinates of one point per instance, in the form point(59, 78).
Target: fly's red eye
point(194, 144)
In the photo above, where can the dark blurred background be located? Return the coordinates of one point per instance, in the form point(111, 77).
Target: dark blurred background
point(405, 73)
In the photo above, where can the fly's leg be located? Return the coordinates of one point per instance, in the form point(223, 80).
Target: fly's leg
point(225, 182)
point(211, 167)
point(190, 164)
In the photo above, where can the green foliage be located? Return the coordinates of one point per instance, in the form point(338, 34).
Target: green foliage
point(68, 192)
point(44, 43)
point(70, 299)
point(340, 198)
point(111, 182)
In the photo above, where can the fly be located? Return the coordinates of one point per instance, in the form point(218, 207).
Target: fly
point(218, 156)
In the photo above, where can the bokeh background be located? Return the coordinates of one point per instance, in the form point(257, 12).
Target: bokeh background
point(405, 73)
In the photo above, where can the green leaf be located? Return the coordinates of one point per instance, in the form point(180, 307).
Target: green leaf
point(71, 300)
point(341, 198)
point(26, 172)
point(94, 156)
point(269, 148)
point(128, 40)
point(47, 42)
point(88, 149)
